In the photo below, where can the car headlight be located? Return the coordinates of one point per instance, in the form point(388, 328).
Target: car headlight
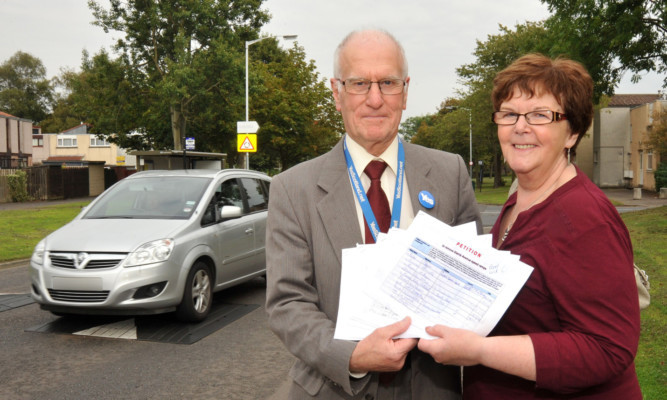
point(151, 252)
point(38, 253)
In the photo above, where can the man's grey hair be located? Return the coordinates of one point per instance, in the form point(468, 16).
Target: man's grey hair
point(377, 32)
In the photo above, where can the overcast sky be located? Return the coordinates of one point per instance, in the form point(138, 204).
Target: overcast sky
point(438, 36)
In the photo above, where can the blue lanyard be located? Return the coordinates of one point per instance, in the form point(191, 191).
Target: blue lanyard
point(361, 194)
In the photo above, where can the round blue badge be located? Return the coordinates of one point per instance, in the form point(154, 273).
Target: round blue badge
point(426, 199)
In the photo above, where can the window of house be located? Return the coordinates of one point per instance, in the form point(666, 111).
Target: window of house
point(649, 160)
point(650, 114)
point(37, 142)
point(98, 142)
point(66, 141)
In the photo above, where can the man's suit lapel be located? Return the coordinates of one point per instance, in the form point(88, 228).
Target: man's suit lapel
point(337, 203)
point(417, 172)
point(422, 176)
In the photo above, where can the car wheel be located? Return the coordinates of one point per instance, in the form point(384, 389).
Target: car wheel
point(198, 294)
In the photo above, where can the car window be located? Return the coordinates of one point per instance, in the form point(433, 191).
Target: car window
point(228, 193)
point(256, 194)
point(267, 186)
point(159, 197)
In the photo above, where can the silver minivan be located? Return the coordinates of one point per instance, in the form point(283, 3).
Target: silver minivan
point(155, 242)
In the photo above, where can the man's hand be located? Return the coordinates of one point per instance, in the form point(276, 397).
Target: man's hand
point(380, 352)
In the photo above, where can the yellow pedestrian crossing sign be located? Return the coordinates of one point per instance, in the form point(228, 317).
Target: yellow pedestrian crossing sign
point(246, 143)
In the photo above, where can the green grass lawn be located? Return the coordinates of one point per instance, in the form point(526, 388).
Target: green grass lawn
point(648, 231)
point(22, 229)
point(490, 195)
point(497, 196)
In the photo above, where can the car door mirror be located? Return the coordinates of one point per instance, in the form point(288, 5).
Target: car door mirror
point(230, 212)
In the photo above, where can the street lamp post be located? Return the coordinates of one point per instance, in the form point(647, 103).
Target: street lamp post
point(247, 45)
point(470, 126)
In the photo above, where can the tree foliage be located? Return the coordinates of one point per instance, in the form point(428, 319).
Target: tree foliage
point(118, 106)
point(64, 115)
point(448, 129)
point(611, 37)
point(186, 53)
point(658, 133)
point(410, 127)
point(24, 89)
point(293, 106)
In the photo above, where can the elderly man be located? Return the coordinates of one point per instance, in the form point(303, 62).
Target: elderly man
point(318, 208)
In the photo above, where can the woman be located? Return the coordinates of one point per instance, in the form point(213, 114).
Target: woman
point(573, 330)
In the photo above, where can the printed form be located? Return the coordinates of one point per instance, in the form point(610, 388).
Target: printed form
point(434, 273)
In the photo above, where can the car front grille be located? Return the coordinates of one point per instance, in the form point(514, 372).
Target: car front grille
point(79, 296)
point(85, 260)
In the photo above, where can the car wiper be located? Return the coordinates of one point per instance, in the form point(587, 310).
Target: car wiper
point(113, 217)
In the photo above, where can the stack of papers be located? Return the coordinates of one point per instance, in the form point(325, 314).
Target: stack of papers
point(431, 272)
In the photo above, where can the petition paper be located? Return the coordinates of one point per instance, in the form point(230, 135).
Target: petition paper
point(432, 272)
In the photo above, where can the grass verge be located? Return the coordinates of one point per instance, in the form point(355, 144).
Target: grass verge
point(491, 195)
point(497, 196)
point(648, 230)
point(23, 229)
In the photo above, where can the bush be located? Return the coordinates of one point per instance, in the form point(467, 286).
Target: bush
point(661, 177)
point(18, 187)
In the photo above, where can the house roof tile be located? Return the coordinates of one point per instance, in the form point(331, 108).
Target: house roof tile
point(632, 100)
point(4, 114)
point(87, 125)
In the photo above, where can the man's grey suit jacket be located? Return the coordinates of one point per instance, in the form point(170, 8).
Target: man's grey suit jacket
point(312, 217)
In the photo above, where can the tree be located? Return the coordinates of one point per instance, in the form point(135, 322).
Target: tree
point(63, 116)
point(184, 52)
point(410, 127)
point(658, 133)
point(658, 142)
point(293, 106)
point(24, 90)
point(611, 37)
point(444, 131)
point(116, 104)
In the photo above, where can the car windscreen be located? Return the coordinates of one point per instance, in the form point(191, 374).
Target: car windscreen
point(163, 197)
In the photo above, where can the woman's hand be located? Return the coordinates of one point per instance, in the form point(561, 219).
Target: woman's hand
point(513, 355)
point(453, 346)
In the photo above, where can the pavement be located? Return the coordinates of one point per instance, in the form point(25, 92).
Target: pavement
point(626, 197)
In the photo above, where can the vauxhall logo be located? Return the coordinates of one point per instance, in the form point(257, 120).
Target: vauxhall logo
point(80, 260)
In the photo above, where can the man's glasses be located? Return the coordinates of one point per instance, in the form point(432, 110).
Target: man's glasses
point(363, 86)
point(541, 117)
